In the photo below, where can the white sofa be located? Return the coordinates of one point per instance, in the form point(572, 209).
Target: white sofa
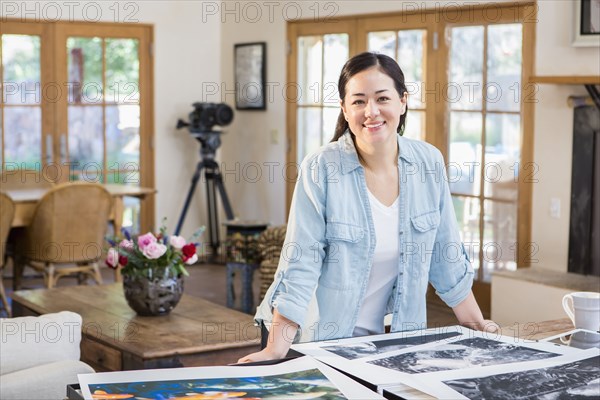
point(39, 356)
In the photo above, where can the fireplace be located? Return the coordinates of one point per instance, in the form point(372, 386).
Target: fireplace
point(584, 231)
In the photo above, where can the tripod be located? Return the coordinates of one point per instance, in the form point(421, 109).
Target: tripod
point(213, 178)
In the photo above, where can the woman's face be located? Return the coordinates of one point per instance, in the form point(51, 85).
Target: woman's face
point(373, 107)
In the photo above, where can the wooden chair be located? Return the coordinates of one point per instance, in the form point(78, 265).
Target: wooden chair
point(68, 227)
point(7, 212)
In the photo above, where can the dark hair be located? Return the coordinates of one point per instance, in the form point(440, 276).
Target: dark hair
point(359, 63)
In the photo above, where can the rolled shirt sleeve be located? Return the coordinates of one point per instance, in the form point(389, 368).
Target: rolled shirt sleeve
point(304, 247)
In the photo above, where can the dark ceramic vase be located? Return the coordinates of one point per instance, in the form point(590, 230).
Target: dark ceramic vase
point(154, 294)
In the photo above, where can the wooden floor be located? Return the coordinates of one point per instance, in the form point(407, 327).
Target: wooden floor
point(207, 281)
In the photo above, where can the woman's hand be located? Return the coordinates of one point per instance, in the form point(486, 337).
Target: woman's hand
point(281, 336)
point(265, 354)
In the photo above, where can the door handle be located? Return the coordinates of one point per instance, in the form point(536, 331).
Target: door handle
point(63, 148)
point(49, 150)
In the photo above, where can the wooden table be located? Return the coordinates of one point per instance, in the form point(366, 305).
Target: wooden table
point(26, 199)
point(196, 333)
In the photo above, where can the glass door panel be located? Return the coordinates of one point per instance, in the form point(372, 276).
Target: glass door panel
point(21, 145)
point(104, 110)
point(408, 47)
point(320, 60)
point(484, 137)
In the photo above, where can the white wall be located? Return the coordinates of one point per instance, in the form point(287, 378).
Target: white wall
point(553, 138)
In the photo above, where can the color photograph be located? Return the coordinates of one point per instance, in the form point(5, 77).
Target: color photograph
point(309, 384)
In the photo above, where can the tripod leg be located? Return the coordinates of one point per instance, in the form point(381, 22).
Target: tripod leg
point(224, 197)
point(213, 217)
point(190, 194)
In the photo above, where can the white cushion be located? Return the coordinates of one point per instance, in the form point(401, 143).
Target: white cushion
point(31, 341)
point(48, 381)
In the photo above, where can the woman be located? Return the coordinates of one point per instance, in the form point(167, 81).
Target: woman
point(371, 223)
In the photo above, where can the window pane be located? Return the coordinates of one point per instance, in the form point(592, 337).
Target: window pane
point(383, 42)
point(504, 67)
point(502, 155)
point(415, 121)
point(21, 69)
point(23, 136)
point(335, 55)
point(309, 130)
point(330, 116)
point(467, 216)
point(499, 237)
point(310, 69)
point(85, 69)
point(123, 137)
point(122, 71)
point(466, 68)
point(410, 59)
point(464, 165)
point(86, 145)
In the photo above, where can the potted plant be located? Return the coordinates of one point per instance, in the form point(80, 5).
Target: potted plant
point(153, 267)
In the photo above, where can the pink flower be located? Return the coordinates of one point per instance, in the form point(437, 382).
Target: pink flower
point(112, 258)
point(192, 259)
point(126, 244)
point(145, 240)
point(177, 242)
point(154, 250)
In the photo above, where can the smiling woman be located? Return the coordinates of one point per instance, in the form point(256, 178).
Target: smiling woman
point(372, 235)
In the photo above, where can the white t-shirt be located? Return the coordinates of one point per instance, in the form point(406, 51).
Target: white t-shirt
point(384, 269)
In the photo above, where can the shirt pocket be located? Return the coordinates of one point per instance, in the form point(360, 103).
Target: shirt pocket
point(341, 262)
point(424, 232)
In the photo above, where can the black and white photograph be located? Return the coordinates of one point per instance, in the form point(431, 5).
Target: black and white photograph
point(250, 61)
point(461, 354)
point(576, 380)
point(354, 351)
point(586, 23)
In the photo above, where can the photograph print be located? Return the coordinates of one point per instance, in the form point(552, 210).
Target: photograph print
point(576, 380)
point(308, 384)
point(353, 351)
point(461, 354)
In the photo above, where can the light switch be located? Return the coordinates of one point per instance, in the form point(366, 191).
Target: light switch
point(274, 136)
point(555, 207)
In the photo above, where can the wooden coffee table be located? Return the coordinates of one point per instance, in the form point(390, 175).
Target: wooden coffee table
point(196, 333)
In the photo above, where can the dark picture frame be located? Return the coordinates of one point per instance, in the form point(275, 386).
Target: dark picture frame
point(586, 27)
point(250, 65)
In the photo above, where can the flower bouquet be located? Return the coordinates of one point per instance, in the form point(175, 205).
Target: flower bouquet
point(152, 266)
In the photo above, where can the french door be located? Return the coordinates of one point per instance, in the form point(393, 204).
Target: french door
point(467, 73)
point(77, 105)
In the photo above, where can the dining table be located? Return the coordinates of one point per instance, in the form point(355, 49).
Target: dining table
point(27, 197)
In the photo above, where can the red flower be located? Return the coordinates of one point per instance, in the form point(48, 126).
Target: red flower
point(123, 260)
point(110, 265)
point(188, 250)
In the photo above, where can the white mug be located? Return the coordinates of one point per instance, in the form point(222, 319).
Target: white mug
point(584, 309)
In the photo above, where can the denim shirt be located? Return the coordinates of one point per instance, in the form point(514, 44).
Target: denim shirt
point(326, 259)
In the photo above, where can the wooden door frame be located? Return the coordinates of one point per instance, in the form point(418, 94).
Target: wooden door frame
point(436, 23)
point(143, 33)
point(294, 31)
point(54, 113)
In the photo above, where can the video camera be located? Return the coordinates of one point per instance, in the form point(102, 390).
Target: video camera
point(202, 120)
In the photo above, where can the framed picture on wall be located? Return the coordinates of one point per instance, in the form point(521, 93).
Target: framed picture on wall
point(586, 29)
point(250, 76)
